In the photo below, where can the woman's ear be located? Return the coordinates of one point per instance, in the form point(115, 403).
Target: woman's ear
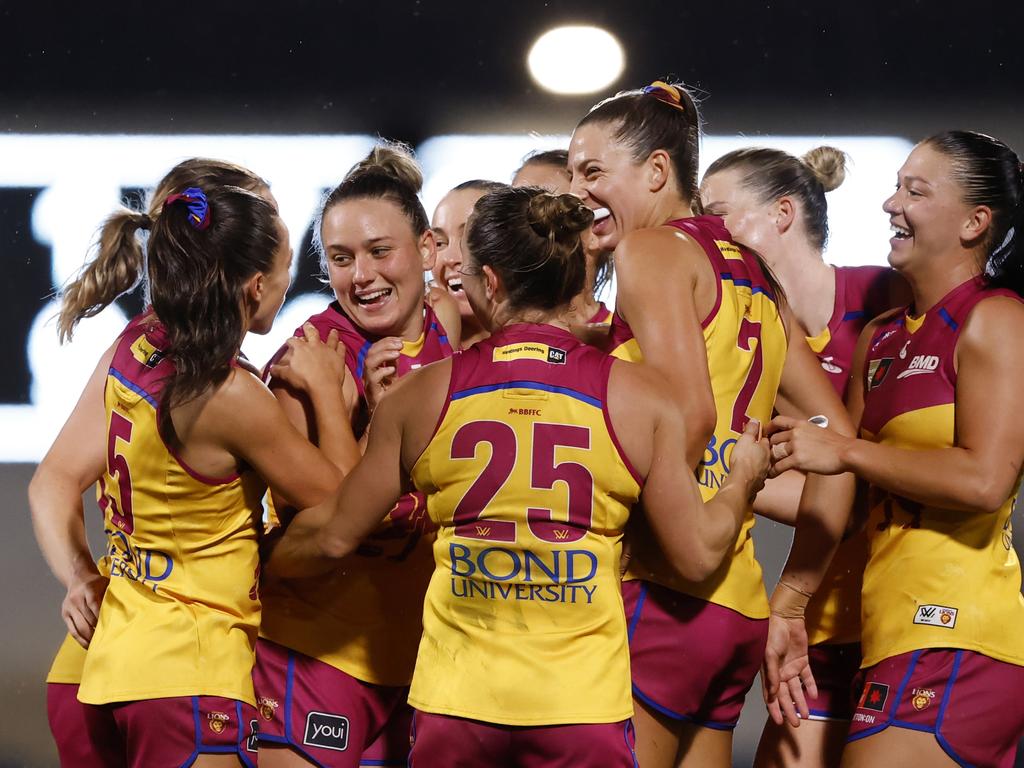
point(492, 284)
point(977, 224)
point(428, 249)
point(785, 214)
point(659, 169)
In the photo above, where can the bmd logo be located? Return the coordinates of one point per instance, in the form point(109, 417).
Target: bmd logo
point(920, 364)
point(326, 731)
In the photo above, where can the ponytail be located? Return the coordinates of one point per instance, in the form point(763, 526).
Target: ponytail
point(116, 269)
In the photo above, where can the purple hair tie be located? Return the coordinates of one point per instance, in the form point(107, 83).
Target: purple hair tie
point(198, 206)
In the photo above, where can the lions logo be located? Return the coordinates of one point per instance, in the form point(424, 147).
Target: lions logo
point(218, 721)
point(268, 707)
point(922, 697)
point(945, 616)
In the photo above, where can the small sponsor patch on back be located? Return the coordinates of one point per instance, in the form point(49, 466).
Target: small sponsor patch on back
point(528, 351)
point(326, 730)
point(936, 616)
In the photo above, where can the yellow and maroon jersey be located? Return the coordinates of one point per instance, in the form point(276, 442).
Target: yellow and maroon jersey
point(862, 294)
point(365, 617)
point(936, 578)
point(523, 621)
point(746, 343)
point(181, 613)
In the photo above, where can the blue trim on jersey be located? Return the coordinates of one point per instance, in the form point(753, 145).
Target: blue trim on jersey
point(745, 283)
point(856, 314)
point(636, 614)
point(948, 318)
point(132, 386)
point(715, 726)
point(443, 340)
point(527, 385)
point(392, 763)
point(361, 358)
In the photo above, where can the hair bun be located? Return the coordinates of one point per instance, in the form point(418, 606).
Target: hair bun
point(395, 159)
point(558, 217)
point(828, 165)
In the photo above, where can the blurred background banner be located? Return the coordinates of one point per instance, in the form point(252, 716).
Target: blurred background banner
point(98, 101)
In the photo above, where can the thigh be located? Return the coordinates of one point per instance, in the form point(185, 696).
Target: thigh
point(690, 660)
point(592, 745)
point(815, 744)
point(439, 741)
point(86, 734)
point(176, 732)
point(317, 711)
point(896, 746)
point(703, 747)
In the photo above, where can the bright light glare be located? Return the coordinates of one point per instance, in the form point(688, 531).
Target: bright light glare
point(575, 60)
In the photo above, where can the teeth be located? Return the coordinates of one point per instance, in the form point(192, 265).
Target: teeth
point(455, 284)
point(601, 213)
point(366, 297)
point(900, 231)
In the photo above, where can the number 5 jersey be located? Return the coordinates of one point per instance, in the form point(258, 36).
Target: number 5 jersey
point(180, 615)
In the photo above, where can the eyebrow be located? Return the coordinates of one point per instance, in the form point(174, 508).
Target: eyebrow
point(917, 178)
point(580, 164)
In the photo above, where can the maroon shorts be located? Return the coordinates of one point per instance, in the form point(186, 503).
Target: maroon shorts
point(86, 735)
point(439, 741)
point(691, 660)
point(327, 716)
point(835, 668)
point(970, 702)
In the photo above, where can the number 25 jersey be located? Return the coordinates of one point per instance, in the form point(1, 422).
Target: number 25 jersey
point(523, 621)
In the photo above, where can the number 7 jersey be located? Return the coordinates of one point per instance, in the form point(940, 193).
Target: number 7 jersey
point(523, 621)
point(746, 347)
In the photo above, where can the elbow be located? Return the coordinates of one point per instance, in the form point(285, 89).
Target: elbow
point(989, 495)
point(334, 547)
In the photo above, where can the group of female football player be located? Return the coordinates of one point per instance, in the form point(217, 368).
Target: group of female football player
point(486, 521)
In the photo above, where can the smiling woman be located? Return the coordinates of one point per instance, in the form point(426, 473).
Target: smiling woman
point(346, 643)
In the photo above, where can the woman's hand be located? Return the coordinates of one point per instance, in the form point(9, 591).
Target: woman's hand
point(751, 456)
point(798, 444)
point(786, 671)
point(308, 363)
point(81, 607)
point(379, 369)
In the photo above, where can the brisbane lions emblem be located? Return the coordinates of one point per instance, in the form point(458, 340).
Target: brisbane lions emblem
point(267, 707)
point(218, 721)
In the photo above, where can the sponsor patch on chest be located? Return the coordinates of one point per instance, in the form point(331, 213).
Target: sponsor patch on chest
point(936, 616)
point(920, 364)
point(877, 370)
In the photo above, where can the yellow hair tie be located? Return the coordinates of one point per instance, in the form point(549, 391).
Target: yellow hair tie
point(665, 93)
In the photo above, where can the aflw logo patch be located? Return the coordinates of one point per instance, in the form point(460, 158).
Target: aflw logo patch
point(327, 731)
point(528, 351)
point(936, 616)
point(920, 364)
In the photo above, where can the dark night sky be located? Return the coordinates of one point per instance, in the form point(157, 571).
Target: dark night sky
point(410, 69)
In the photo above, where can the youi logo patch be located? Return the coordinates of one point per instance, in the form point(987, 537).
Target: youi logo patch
point(326, 730)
